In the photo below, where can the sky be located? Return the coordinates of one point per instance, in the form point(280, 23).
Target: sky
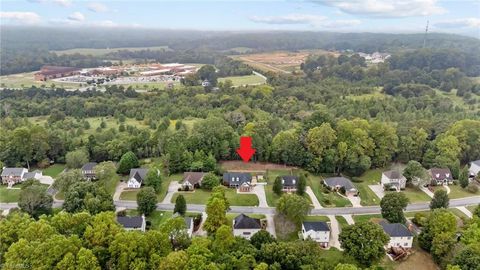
point(391, 16)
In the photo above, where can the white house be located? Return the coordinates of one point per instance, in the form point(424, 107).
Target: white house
point(474, 168)
point(136, 177)
point(318, 231)
point(132, 223)
point(399, 235)
point(245, 226)
point(393, 180)
point(12, 176)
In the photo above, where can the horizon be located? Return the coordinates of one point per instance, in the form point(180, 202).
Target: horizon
point(339, 16)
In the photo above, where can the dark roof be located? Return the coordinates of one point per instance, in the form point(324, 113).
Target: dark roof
point(393, 174)
point(193, 177)
point(476, 162)
point(30, 175)
point(188, 222)
point(395, 229)
point(245, 222)
point(138, 174)
point(12, 171)
point(89, 166)
point(289, 180)
point(339, 181)
point(441, 174)
point(237, 178)
point(318, 226)
point(130, 222)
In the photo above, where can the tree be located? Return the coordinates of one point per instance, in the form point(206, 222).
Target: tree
point(154, 179)
point(277, 185)
point(216, 208)
point(147, 200)
point(11, 228)
point(440, 199)
point(210, 180)
point(87, 196)
point(294, 207)
point(34, 199)
point(477, 211)
point(468, 258)
point(67, 179)
point(224, 239)
point(301, 185)
point(176, 260)
point(260, 238)
point(208, 72)
point(127, 162)
point(345, 266)
point(392, 206)
point(440, 222)
point(463, 177)
point(364, 241)
point(180, 205)
point(415, 173)
point(76, 159)
point(176, 230)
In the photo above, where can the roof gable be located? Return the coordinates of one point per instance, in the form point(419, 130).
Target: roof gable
point(237, 178)
point(441, 174)
point(245, 222)
point(317, 226)
point(395, 229)
point(138, 174)
point(14, 171)
point(289, 180)
point(193, 177)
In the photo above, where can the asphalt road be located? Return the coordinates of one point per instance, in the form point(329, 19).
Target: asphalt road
point(271, 210)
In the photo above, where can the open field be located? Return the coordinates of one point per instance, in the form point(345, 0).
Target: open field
point(53, 170)
point(279, 61)
point(200, 196)
point(27, 79)
point(9, 195)
point(419, 260)
point(237, 165)
point(317, 218)
point(100, 52)
point(244, 80)
point(414, 195)
point(370, 177)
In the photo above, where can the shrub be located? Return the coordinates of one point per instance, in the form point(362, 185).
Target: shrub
point(420, 219)
point(472, 188)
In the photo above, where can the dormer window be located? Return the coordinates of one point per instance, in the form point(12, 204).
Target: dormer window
point(437, 175)
point(293, 181)
point(447, 175)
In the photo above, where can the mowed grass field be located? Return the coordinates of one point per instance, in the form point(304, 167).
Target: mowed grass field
point(200, 196)
point(27, 79)
point(244, 80)
point(104, 51)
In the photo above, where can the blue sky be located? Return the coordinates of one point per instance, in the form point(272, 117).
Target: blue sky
point(402, 16)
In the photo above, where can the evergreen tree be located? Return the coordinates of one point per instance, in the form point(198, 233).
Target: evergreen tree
point(440, 199)
point(301, 185)
point(180, 205)
point(127, 162)
point(463, 177)
point(277, 186)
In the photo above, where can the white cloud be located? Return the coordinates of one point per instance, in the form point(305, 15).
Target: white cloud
point(312, 20)
point(20, 17)
point(76, 16)
point(97, 7)
point(63, 3)
point(386, 8)
point(459, 23)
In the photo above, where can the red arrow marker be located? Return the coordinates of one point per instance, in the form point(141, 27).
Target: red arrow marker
point(245, 151)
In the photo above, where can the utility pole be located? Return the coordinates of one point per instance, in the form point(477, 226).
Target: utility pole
point(425, 37)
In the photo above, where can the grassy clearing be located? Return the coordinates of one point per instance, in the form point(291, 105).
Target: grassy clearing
point(101, 52)
point(418, 260)
point(27, 79)
point(412, 214)
point(317, 218)
point(335, 256)
point(9, 195)
point(364, 218)
point(200, 196)
point(285, 229)
point(370, 177)
point(244, 80)
point(53, 170)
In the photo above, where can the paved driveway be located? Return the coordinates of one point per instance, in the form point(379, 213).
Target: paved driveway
point(378, 190)
point(118, 190)
point(259, 190)
point(355, 200)
point(349, 219)
point(271, 225)
point(334, 232)
point(316, 203)
point(172, 188)
point(45, 179)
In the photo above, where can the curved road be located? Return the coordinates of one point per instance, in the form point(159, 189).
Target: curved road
point(271, 210)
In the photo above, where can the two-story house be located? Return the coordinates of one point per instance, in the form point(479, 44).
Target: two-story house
point(239, 180)
point(289, 183)
point(393, 180)
point(318, 231)
point(440, 176)
point(245, 226)
point(88, 170)
point(399, 235)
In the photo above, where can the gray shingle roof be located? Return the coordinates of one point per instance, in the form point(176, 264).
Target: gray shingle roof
point(130, 222)
point(339, 181)
point(245, 222)
point(12, 171)
point(138, 174)
point(395, 229)
point(317, 226)
point(237, 178)
point(89, 166)
point(289, 180)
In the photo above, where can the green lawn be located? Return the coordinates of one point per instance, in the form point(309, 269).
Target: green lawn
point(414, 195)
point(457, 191)
point(9, 195)
point(363, 218)
point(370, 177)
point(341, 221)
point(270, 176)
point(317, 218)
point(412, 214)
point(156, 218)
point(244, 80)
point(53, 170)
point(200, 196)
point(472, 207)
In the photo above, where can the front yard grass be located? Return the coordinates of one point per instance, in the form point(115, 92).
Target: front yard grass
point(9, 195)
point(364, 218)
point(472, 207)
point(342, 222)
point(414, 195)
point(317, 218)
point(325, 197)
point(53, 170)
point(370, 177)
point(200, 196)
point(270, 176)
point(456, 192)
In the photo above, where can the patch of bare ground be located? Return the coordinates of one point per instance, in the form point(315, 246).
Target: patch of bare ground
point(285, 229)
point(236, 165)
point(419, 260)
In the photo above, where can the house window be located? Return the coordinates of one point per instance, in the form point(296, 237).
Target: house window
point(406, 244)
point(246, 233)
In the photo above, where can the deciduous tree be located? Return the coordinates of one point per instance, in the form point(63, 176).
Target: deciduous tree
point(147, 200)
point(294, 207)
point(440, 199)
point(392, 206)
point(128, 161)
point(180, 205)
